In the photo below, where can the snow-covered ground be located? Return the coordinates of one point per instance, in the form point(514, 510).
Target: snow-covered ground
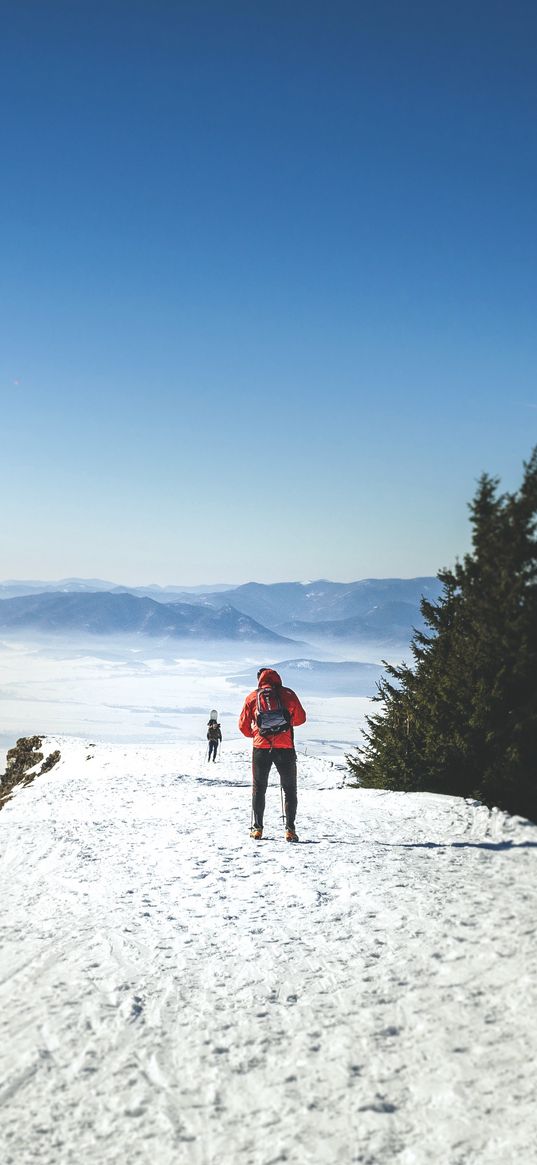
point(173, 992)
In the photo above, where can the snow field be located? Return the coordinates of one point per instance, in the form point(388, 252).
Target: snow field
point(172, 991)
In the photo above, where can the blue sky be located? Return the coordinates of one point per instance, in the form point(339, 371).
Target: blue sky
point(268, 284)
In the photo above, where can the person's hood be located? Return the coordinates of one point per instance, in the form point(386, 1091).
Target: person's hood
point(269, 678)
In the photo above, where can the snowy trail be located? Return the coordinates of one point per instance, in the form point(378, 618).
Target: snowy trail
point(172, 991)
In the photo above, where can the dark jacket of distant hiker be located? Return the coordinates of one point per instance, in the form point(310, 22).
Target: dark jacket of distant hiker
point(213, 730)
point(290, 701)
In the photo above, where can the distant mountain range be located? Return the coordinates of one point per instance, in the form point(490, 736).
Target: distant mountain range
point(13, 588)
point(107, 613)
point(325, 601)
point(389, 622)
point(381, 610)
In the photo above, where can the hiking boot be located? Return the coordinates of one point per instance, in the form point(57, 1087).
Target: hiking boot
point(290, 835)
point(256, 833)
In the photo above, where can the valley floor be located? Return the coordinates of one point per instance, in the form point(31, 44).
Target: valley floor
point(173, 992)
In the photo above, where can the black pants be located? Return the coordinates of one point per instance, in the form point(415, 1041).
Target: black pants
point(285, 762)
point(213, 746)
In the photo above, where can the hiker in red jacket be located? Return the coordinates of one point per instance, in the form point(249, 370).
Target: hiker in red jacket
point(268, 717)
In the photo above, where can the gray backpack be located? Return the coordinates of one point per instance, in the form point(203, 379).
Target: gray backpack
point(271, 715)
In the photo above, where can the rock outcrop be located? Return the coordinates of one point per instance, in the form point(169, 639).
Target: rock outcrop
point(22, 765)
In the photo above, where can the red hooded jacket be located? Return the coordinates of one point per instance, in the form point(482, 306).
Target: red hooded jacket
point(289, 699)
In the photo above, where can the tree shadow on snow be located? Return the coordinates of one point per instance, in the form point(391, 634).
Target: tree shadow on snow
point(493, 845)
point(498, 846)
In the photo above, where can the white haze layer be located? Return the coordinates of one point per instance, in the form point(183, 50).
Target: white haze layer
point(136, 689)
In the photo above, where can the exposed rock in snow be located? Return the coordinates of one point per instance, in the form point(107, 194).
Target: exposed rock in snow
point(24, 763)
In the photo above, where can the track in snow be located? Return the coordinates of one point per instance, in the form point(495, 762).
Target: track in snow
point(173, 991)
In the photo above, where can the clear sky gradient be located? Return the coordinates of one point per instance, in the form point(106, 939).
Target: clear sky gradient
point(268, 283)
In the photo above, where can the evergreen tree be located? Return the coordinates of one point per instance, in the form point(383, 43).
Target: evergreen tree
point(463, 719)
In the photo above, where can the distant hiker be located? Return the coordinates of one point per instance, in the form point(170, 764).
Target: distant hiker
point(214, 736)
point(269, 715)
